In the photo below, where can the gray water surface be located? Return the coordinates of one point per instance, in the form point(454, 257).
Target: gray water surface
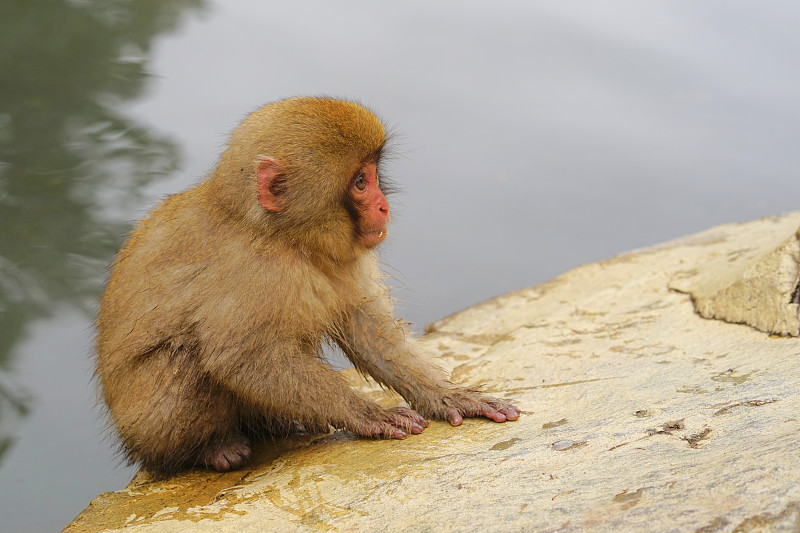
point(532, 137)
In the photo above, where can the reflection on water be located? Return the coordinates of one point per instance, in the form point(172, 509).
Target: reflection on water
point(71, 165)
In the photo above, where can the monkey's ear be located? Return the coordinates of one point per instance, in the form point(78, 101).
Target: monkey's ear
point(271, 184)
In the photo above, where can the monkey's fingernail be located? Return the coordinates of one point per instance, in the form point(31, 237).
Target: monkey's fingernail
point(399, 434)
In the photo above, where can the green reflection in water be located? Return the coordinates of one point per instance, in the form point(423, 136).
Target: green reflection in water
point(69, 161)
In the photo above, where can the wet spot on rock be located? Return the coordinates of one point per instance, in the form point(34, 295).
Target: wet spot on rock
point(786, 520)
point(729, 376)
point(693, 440)
point(666, 428)
point(752, 403)
point(562, 445)
point(718, 524)
point(456, 356)
point(506, 444)
point(628, 499)
point(691, 390)
point(550, 425)
point(643, 413)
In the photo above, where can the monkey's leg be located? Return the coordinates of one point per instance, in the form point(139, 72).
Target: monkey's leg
point(229, 453)
point(293, 384)
point(381, 346)
point(173, 416)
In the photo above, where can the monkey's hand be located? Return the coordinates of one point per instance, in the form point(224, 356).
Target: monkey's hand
point(460, 403)
point(394, 423)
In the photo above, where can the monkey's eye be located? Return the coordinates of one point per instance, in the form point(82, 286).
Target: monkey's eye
point(361, 182)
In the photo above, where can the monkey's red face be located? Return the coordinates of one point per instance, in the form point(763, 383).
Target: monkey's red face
point(364, 202)
point(371, 204)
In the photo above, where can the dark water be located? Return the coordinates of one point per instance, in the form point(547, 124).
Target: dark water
point(534, 137)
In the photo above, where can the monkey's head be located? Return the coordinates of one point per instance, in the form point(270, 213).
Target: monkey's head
point(306, 170)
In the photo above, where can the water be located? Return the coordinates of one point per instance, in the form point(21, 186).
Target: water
point(533, 137)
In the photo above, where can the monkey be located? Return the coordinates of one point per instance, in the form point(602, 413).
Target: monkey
point(212, 323)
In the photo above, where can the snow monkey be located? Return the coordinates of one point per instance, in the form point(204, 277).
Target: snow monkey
point(212, 323)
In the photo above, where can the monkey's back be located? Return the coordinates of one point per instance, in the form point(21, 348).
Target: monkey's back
point(189, 282)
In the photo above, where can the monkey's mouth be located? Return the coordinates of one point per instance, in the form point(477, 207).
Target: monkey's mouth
point(374, 237)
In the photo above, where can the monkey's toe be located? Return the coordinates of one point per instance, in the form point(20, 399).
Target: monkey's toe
point(406, 420)
point(229, 454)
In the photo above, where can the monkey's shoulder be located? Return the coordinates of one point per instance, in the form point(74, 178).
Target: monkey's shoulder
point(183, 266)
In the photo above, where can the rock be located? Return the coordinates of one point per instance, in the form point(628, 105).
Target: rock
point(638, 414)
point(750, 278)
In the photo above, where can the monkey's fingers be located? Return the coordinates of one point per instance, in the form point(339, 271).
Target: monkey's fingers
point(494, 414)
point(472, 405)
point(498, 410)
point(454, 417)
point(412, 415)
point(407, 419)
point(511, 411)
point(416, 429)
point(379, 429)
point(397, 431)
point(394, 433)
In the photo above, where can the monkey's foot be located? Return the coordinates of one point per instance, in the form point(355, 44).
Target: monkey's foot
point(394, 423)
point(466, 403)
point(226, 454)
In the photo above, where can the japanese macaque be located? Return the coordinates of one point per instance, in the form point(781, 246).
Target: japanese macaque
point(212, 324)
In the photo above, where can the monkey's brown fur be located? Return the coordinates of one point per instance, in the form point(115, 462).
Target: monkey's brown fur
point(213, 319)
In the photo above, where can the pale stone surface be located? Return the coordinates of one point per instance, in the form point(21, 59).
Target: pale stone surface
point(752, 279)
point(637, 415)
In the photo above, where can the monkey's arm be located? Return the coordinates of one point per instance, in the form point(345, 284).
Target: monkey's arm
point(381, 346)
point(287, 382)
